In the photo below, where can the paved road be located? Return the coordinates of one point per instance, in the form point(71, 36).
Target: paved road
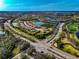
point(19, 56)
point(57, 36)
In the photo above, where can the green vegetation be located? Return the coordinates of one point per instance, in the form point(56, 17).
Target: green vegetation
point(7, 44)
point(34, 34)
point(1, 29)
point(74, 38)
point(68, 48)
point(66, 45)
point(40, 36)
point(11, 46)
point(37, 35)
point(47, 25)
point(72, 27)
point(16, 51)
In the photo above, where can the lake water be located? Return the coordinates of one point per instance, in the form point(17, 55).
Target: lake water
point(77, 34)
point(38, 23)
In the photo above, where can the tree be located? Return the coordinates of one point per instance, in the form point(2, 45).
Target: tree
point(30, 50)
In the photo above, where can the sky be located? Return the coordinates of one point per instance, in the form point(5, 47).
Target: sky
point(39, 5)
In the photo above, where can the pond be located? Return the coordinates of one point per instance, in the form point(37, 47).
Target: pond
point(38, 23)
point(77, 34)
